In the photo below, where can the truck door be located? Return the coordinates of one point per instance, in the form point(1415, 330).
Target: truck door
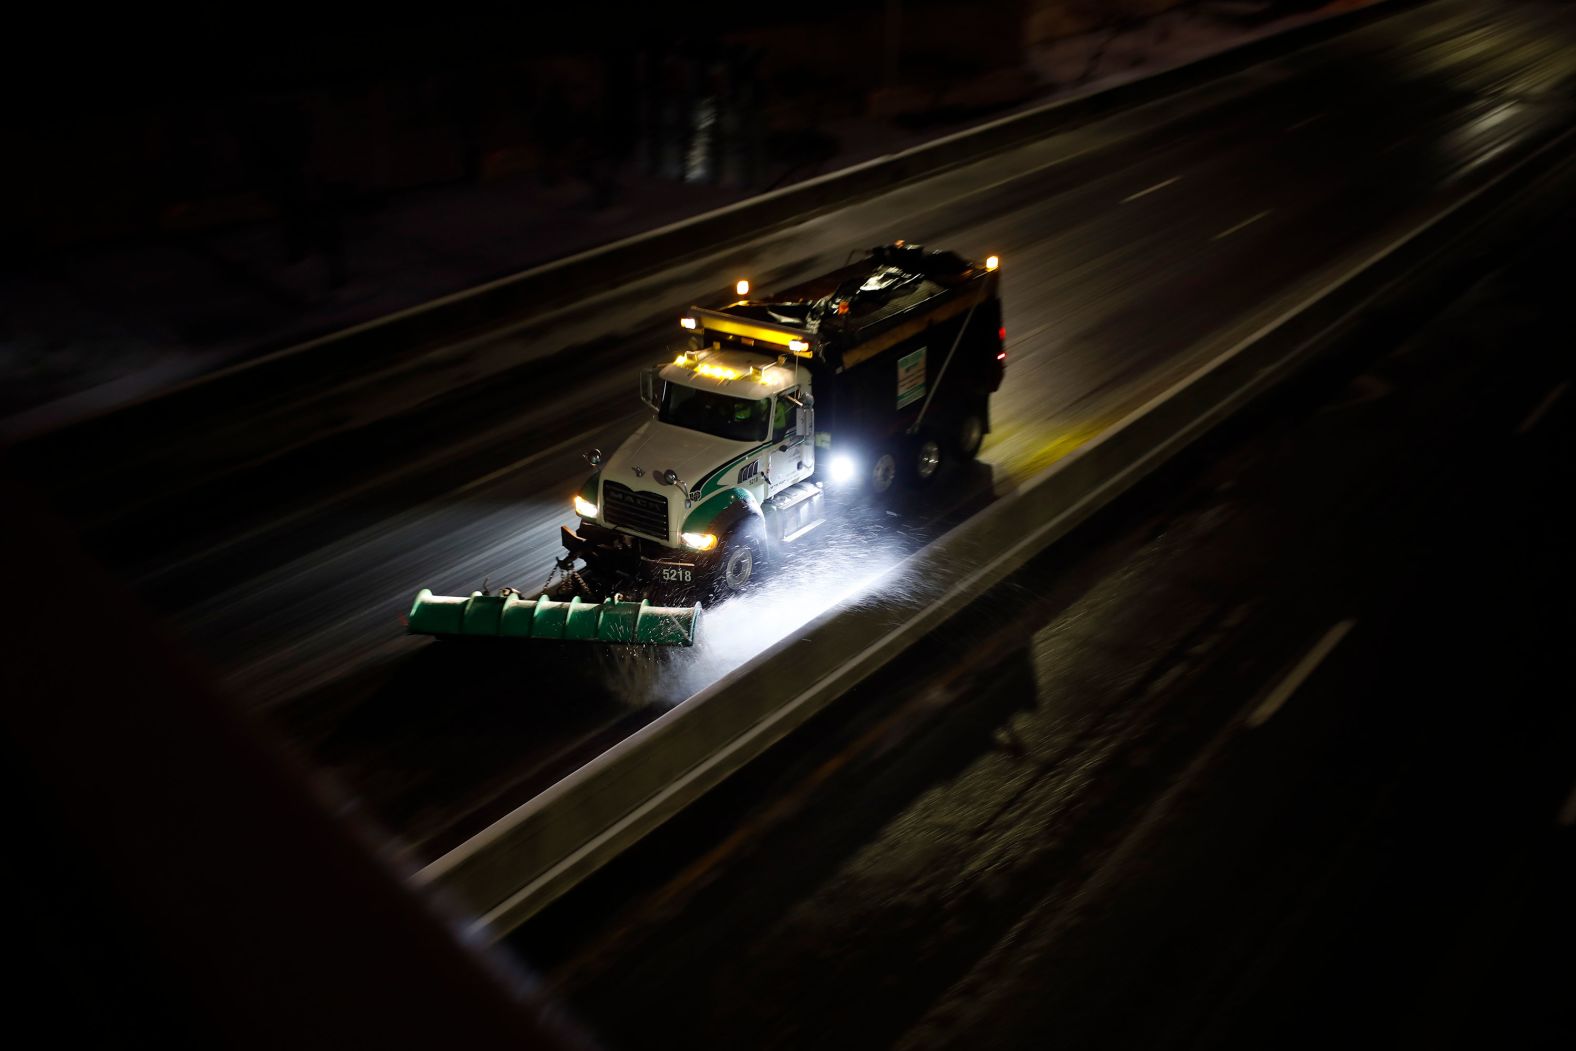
point(792, 457)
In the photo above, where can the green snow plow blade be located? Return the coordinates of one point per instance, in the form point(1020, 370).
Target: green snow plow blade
point(513, 617)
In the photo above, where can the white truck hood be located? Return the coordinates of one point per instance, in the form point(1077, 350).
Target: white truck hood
point(655, 447)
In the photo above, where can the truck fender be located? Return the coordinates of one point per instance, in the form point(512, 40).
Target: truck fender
point(724, 512)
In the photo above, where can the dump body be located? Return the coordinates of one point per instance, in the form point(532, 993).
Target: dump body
point(902, 341)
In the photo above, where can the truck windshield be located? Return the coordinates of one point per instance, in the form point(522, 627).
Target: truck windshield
point(725, 416)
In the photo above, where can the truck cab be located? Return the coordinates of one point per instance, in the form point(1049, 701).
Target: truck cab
point(758, 402)
point(719, 477)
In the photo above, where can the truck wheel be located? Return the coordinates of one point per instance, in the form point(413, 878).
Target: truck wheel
point(883, 472)
point(740, 564)
point(924, 460)
point(969, 435)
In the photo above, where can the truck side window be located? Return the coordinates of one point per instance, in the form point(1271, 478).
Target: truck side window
point(783, 416)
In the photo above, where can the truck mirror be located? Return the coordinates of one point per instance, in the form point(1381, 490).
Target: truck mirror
point(594, 457)
point(669, 476)
point(650, 387)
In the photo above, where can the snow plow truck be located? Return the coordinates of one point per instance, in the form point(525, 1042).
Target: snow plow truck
point(870, 376)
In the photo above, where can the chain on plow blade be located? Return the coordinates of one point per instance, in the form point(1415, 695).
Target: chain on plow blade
point(509, 616)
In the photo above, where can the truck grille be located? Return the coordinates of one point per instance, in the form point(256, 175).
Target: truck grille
point(642, 512)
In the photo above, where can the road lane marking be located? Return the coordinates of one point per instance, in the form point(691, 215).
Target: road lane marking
point(1567, 815)
point(1246, 222)
point(1295, 678)
point(1171, 675)
point(1543, 406)
point(1479, 161)
point(1305, 122)
point(1152, 189)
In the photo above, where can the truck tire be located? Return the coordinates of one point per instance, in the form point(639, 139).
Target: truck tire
point(923, 459)
point(740, 564)
point(883, 472)
point(968, 434)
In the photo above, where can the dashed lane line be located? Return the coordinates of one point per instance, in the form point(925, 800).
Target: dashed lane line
point(1299, 674)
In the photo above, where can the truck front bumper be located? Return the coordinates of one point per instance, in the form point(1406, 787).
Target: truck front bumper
point(628, 565)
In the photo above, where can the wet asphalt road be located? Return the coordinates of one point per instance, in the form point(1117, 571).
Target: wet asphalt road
point(1280, 754)
point(1133, 249)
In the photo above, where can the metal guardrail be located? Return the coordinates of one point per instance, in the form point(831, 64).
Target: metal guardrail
point(537, 852)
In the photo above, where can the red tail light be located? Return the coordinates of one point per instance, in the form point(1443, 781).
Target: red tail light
point(1001, 333)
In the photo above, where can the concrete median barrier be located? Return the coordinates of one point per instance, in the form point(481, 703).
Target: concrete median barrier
point(508, 872)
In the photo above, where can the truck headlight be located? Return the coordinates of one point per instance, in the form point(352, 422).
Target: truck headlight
point(842, 469)
point(584, 508)
point(699, 541)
